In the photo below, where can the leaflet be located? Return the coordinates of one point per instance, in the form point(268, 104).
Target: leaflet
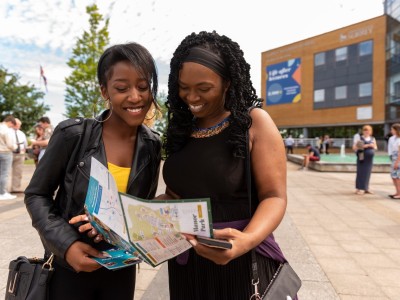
point(142, 229)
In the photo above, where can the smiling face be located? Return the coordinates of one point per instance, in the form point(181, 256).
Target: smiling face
point(203, 91)
point(129, 94)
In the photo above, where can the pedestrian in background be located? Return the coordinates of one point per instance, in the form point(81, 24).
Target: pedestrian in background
point(45, 123)
point(326, 143)
point(393, 151)
point(365, 149)
point(39, 132)
point(289, 143)
point(7, 146)
point(18, 157)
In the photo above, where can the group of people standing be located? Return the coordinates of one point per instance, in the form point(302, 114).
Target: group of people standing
point(13, 145)
point(219, 144)
point(13, 149)
point(365, 145)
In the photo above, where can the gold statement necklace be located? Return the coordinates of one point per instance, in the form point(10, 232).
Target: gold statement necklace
point(199, 133)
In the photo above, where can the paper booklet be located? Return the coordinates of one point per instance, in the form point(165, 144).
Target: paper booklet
point(141, 229)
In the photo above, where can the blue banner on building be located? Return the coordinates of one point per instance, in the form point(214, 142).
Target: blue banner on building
point(284, 82)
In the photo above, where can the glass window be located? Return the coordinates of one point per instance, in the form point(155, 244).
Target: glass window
point(365, 89)
point(319, 59)
point(319, 95)
point(365, 48)
point(340, 92)
point(396, 91)
point(341, 54)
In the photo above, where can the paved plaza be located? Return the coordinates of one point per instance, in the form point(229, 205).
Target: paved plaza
point(342, 245)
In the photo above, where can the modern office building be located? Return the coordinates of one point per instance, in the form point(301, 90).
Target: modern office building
point(338, 81)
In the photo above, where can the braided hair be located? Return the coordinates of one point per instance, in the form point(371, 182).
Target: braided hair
point(240, 95)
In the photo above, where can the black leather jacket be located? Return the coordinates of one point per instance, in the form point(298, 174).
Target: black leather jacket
point(62, 173)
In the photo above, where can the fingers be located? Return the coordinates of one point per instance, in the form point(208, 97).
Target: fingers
point(98, 238)
point(77, 219)
point(226, 233)
point(86, 227)
point(188, 236)
point(78, 257)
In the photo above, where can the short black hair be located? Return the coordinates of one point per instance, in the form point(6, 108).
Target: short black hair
point(44, 120)
point(308, 145)
point(240, 96)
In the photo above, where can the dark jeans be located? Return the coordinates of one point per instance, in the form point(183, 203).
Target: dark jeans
point(289, 149)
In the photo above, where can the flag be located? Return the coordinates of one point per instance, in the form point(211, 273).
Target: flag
point(43, 77)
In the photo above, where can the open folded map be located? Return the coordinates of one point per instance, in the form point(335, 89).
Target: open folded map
point(142, 229)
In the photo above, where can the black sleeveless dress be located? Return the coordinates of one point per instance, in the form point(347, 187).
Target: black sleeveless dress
point(206, 167)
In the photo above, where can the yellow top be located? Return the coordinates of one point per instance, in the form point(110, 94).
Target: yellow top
point(121, 176)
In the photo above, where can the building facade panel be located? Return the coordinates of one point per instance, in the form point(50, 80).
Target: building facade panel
point(335, 69)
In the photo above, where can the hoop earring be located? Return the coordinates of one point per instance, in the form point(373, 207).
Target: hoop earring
point(108, 106)
point(154, 110)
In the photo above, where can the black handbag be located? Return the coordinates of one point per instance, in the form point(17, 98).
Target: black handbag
point(285, 283)
point(29, 278)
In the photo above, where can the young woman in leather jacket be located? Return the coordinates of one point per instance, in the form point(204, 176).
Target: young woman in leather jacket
point(117, 138)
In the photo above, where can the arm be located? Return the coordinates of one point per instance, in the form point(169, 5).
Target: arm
point(356, 139)
point(375, 145)
point(41, 143)
point(268, 166)
point(56, 234)
point(11, 143)
point(396, 163)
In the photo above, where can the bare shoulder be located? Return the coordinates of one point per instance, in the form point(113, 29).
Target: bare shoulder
point(261, 121)
point(263, 127)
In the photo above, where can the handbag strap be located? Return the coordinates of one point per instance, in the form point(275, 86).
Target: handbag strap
point(255, 279)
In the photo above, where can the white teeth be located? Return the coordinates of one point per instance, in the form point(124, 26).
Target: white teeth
point(196, 108)
point(134, 110)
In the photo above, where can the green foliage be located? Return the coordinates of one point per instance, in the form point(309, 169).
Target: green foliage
point(160, 125)
point(83, 96)
point(20, 100)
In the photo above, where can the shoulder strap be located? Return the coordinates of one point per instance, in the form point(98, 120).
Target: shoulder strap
point(255, 279)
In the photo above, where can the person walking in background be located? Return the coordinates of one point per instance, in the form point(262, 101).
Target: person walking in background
point(289, 143)
point(35, 149)
point(55, 197)
point(18, 158)
point(326, 143)
point(45, 123)
point(7, 146)
point(394, 151)
point(365, 149)
point(318, 142)
point(210, 100)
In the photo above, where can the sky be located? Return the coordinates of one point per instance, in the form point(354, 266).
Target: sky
point(43, 33)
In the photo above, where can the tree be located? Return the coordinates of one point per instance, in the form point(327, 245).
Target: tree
point(160, 124)
point(83, 96)
point(20, 100)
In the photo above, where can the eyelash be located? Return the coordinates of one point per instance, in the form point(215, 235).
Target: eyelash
point(142, 89)
point(200, 89)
